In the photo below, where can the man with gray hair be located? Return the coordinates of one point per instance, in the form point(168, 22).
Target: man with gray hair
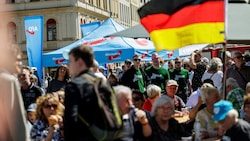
point(227, 117)
point(235, 94)
point(135, 122)
point(239, 71)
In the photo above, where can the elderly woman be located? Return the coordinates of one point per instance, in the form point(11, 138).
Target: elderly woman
point(209, 95)
point(214, 72)
point(153, 93)
point(164, 126)
point(48, 119)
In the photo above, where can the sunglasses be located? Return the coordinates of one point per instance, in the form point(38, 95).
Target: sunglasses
point(49, 106)
point(137, 60)
point(177, 62)
point(155, 58)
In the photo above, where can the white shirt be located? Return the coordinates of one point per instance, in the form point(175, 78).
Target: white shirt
point(217, 78)
point(193, 98)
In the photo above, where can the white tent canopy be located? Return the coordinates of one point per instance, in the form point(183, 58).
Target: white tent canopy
point(137, 31)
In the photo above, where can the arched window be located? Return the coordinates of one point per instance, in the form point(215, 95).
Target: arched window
point(11, 27)
point(51, 30)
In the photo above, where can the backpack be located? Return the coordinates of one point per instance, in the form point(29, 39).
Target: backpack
point(111, 127)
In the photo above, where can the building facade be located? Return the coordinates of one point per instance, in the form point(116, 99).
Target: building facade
point(62, 18)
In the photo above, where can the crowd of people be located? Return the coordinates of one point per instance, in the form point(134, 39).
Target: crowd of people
point(190, 87)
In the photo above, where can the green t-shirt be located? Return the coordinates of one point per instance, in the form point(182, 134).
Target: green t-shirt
point(158, 76)
point(139, 78)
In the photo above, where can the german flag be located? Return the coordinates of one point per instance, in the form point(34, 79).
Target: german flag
point(173, 24)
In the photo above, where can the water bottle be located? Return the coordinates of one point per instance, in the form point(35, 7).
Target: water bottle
point(132, 109)
point(197, 133)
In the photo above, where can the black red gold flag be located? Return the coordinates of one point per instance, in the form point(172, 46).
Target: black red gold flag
point(173, 24)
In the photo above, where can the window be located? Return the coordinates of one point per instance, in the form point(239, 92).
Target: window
point(10, 1)
point(11, 29)
point(51, 30)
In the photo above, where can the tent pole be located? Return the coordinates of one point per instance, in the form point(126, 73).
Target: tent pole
point(225, 58)
point(224, 93)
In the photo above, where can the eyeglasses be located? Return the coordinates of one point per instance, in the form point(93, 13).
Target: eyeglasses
point(137, 59)
point(238, 57)
point(177, 62)
point(136, 98)
point(49, 106)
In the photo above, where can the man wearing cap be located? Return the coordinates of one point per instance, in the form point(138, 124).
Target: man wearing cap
point(31, 115)
point(97, 71)
point(182, 77)
point(127, 65)
point(171, 90)
point(135, 76)
point(227, 117)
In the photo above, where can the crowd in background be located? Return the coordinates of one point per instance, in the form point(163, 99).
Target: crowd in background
point(188, 86)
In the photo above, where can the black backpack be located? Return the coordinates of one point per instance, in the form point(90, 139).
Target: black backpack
point(110, 127)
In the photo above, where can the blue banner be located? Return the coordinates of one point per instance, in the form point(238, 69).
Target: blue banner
point(34, 42)
point(89, 27)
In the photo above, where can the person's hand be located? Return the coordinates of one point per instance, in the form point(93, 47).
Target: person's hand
point(54, 120)
point(141, 116)
point(178, 114)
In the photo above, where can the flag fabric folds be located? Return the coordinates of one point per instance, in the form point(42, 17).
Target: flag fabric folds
point(34, 42)
point(173, 24)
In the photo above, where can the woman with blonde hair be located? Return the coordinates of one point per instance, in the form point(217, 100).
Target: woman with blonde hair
point(48, 122)
point(153, 93)
point(210, 95)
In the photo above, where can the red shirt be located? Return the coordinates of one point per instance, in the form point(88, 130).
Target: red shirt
point(147, 105)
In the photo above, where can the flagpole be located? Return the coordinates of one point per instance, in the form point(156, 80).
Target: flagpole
point(225, 48)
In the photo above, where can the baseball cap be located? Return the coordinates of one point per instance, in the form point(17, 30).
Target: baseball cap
point(128, 61)
point(205, 59)
point(221, 109)
point(31, 108)
point(102, 68)
point(172, 82)
point(95, 63)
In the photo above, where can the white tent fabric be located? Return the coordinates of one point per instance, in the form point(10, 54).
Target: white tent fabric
point(137, 31)
point(238, 28)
